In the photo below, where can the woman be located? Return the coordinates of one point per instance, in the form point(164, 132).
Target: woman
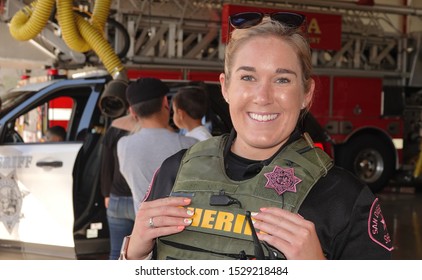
point(117, 195)
point(302, 206)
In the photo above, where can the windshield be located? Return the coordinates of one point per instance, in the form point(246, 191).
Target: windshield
point(13, 98)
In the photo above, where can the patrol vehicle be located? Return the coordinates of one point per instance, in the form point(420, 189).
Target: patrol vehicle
point(50, 203)
point(50, 200)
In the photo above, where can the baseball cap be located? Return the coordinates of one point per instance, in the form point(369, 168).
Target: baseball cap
point(145, 89)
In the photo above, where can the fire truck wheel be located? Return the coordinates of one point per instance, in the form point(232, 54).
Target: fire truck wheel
point(370, 159)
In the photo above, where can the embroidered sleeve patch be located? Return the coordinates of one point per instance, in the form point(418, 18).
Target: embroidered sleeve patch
point(377, 227)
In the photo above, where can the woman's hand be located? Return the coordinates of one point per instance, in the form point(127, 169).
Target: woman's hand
point(157, 218)
point(288, 232)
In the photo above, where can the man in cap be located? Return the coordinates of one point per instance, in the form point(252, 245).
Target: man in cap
point(141, 154)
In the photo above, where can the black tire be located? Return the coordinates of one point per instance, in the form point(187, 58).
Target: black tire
point(370, 158)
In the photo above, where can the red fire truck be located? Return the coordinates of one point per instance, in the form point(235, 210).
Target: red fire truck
point(366, 61)
point(367, 96)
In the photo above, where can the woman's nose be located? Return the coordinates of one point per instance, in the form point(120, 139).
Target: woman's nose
point(264, 94)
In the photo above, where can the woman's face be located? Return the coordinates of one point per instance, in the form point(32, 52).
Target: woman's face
point(265, 95)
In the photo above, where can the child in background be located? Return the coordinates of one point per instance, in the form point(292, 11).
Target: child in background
point(189, 107)
point(55, 134)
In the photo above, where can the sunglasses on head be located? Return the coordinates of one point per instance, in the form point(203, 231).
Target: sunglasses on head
point(249, 19)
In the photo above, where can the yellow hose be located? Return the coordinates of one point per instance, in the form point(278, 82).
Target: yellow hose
point(70, 32)
point(78, 33)
point(418, 166)
point(100, 14)
point(67, 21)
point(100, 45)
point(29, 22)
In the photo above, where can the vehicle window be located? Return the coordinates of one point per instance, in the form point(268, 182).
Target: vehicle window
point(53, 119)
point(11, 99)
point(47, 122)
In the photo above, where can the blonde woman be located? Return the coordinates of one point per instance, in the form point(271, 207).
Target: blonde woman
point(264, 191)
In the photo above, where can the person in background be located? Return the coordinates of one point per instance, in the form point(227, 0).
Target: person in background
point(55, 134)
point(263, 191)
point(190, 105)
point(141, 153)
point(117, 195)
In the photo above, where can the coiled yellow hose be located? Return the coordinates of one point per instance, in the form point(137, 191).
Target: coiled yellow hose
point(101, 47)
point(79, 34)
point(29, 22)
point(70, 32)
point(100, 14)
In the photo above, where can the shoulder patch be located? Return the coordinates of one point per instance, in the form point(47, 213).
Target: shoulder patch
point(377, 227)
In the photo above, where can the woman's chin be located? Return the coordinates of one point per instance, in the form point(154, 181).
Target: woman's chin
point(263, 143)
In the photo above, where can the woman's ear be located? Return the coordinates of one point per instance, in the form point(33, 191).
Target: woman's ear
point(308, 97)
point(223, 87)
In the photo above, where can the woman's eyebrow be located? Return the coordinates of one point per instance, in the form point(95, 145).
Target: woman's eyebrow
point(277, 71)
point(246, 68)
point(285, 71)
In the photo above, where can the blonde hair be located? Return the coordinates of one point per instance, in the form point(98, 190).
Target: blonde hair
point(268, 27)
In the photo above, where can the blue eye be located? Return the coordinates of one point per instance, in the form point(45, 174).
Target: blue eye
point(283, 81)
point(246, 78)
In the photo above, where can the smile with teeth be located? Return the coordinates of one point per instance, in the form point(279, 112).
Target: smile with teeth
point(262, 117)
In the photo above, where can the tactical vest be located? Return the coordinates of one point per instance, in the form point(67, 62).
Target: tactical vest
point(222, 232)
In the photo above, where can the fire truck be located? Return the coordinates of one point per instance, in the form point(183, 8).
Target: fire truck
point(366, 60)
point(366, 63)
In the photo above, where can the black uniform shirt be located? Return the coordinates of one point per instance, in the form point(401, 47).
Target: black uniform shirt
point(346, 214)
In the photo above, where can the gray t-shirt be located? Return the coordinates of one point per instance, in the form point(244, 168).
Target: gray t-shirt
point(142, 153)
point(200, 132)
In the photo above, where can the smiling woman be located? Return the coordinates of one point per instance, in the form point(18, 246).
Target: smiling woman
point(265, 100)
point(264, 191)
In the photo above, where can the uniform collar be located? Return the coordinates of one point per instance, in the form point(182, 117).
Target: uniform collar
point(239, 168)
point(227, 149)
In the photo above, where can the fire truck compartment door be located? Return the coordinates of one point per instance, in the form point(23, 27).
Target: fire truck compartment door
point(36, 198)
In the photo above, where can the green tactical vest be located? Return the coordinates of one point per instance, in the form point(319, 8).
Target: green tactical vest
point(222, 232)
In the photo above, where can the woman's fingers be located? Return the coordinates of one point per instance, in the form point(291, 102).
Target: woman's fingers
point(174, 217)
point(167, 201)
point(289, 232)
point(157, 218)
point(165, 212)
point(164, 216)
point(273, 213)
point(278, 222)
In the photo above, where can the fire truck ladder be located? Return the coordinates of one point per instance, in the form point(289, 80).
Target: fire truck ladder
point(186, 34)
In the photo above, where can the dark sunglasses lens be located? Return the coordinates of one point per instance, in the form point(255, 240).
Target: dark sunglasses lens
point(245, 20)
point(289, 19)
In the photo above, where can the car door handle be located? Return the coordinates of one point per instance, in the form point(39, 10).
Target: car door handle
point(54, 164)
